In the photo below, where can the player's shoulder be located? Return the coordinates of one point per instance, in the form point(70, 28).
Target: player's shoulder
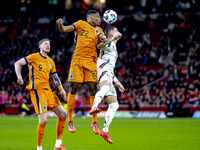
point(32, 55)
point(50, 59)
point(79, 21)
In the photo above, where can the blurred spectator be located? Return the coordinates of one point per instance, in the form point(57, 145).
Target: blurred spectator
point(79, 104)
point(3, 99)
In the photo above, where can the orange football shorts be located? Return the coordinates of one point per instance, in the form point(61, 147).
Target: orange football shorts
point(82, 70)
point(44, 99)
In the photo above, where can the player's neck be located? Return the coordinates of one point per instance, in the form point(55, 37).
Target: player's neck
point(91, 22)
point(43, 53)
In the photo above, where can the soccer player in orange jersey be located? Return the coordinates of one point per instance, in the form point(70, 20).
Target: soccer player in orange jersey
point(83, 64)
point(40, 66)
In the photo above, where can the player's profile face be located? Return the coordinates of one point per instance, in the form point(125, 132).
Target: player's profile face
point(113, 32)
point(96, 19)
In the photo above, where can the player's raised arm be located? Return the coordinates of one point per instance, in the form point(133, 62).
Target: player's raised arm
point(103, 44)
point(62, 28)
point(59, 85)
point(18, 65)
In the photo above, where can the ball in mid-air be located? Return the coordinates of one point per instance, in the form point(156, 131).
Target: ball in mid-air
point(110, 16)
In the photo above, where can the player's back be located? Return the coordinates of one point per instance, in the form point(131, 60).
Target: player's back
point(86, 39)
point(39, 69)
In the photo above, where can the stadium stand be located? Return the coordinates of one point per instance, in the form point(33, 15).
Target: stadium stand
point(159, 53)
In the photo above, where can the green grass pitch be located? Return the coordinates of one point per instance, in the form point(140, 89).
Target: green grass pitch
point(127, 134)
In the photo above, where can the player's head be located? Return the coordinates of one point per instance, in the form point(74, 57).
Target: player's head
point(110, 31)
point(93, 17)
point(44, 45)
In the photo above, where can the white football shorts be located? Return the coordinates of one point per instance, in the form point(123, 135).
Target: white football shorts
point(104, 72)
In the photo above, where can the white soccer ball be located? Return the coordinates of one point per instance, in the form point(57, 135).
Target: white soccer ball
point(110, 16)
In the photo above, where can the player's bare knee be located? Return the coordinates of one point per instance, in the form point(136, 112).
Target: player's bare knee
point(73, 88)
point(92, 87)
point(63, 114)
point(44, 121)
point(93, 92)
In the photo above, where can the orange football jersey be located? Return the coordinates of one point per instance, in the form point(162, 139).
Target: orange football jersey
point(39, 69)
point(86, 39)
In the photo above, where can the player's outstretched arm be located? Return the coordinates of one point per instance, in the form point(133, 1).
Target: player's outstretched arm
point(59, 85)
point(62, 28)
point(104, 43)
point(18, 65)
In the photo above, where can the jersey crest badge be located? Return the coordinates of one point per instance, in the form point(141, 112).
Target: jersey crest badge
point(71, 76)
point(44, 107)
point(49, 65)
point(97, 31)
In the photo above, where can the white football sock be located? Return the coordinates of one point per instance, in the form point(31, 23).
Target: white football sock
point(58, 142)
point(100, 94)
point(110, 115)
point(39, 147)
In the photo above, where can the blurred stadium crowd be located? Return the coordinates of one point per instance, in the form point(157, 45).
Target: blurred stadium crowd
point(159, 53)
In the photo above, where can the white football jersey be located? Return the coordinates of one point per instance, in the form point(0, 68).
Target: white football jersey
point(109, 53)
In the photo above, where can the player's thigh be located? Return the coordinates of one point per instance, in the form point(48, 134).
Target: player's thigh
point(90, 70)
point(76, 71)
point(53, 100)
point(39, 100)
point(59, 111)
point(111, 99)
point(104, 82)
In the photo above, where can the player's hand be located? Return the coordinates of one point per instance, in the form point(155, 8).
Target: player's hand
point(102, 37)
point(59, 22)
point(20, 81)
point(117, 36)
point(120, 86)
point(63, 94)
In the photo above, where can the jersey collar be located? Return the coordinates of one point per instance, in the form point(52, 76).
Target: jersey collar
point(43, 56)
point(91, 24)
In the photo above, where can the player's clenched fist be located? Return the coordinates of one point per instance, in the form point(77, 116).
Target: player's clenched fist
point(59, 21)
point(20, 81)
point(117, 35)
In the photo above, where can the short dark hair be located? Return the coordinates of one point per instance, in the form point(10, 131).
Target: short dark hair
point(108, 29)
point(90, 12)
point(45, 39)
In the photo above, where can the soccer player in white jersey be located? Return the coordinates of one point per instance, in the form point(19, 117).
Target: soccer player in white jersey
point(105, 66)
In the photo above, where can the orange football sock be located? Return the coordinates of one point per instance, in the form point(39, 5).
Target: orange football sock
point(60, 127)
point(94, 116)
point(70, 103)
point(40, 133)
